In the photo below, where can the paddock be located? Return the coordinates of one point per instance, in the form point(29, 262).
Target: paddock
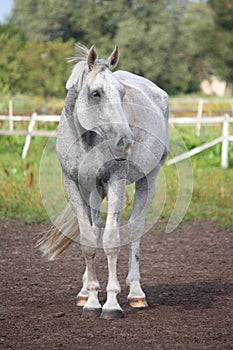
point(187, 276)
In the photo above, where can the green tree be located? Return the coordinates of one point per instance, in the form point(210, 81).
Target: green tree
point(43, 68)
point(221, 39)
point(11, 42)
point(98, 21)
point(44, 19)
point(156, 42)
point(86, 21)
point(196, 27)
point(175, 43)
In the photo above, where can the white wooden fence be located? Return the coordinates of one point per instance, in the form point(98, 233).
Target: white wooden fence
point(224, 139)
point(198, 121)
point(29, 132)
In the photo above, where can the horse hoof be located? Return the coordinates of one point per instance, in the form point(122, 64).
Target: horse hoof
point(81, 300)
point(138, 302)
point(91, 313)
point(111, 314)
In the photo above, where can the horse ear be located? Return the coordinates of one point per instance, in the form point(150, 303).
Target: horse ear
point(114, 58)
point(92, 56)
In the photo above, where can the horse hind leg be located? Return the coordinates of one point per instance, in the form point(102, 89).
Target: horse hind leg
point(82, 296)
point(136, 297)
point(144, 194)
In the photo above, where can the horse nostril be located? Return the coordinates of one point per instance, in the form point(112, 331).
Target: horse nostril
point(125, 143)
point(123, 146)
point(120, 143)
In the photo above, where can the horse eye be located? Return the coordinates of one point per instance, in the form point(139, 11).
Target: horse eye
point(95, 94)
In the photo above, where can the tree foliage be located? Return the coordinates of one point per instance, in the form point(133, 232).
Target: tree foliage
point(221, 39)
point(43, 67)
point(33, 67)
point(44, 19)
point(175, 43)
point(11, 42)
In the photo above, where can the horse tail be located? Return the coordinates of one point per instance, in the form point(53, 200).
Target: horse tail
point(60, 235)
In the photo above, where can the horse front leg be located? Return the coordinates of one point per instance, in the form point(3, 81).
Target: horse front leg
point(88, 241)
point(111, 243)
point(96, 198)
point(144, 195)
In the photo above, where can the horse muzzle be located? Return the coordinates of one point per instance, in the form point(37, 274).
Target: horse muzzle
point(122, 148)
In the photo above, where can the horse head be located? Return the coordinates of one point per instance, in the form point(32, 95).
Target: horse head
point(99, 105)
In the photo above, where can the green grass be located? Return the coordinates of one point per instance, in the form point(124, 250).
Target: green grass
point(24, 104)
point(19, 180)
point(212, 197)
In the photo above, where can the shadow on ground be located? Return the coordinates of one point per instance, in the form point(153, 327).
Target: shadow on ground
point(189, 296)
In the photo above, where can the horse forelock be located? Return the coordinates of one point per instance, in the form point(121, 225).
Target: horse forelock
point(81, 54)
point(81, 68)
point(99, 66)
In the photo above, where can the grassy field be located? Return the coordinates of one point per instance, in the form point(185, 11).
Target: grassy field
point(25, 105)
point(212, 197)
point(182, 106)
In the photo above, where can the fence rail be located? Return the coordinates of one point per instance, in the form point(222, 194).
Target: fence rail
point(35, 116)
point(26, 132)
point(205, 120)
point(29, 133)
point(198, 121)
point(224, 139)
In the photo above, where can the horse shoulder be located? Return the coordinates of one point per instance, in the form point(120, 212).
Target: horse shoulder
point(139, 85)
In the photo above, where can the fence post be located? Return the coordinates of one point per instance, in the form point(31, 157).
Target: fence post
point(199, 116)
point(225, 142)
point(29, 136)
point(11, 122)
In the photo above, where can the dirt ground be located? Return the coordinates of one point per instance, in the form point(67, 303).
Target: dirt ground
point(187, 276)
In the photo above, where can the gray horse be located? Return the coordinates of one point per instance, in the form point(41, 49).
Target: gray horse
point(112, 132)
